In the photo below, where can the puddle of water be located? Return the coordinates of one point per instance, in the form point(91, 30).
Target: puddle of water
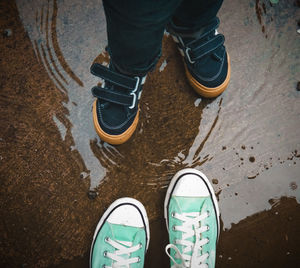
point(61, 33)
point(261, 92)
point(270, 184)
point(61, 127)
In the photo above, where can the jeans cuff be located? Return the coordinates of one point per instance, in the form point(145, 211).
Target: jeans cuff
point(134, 71)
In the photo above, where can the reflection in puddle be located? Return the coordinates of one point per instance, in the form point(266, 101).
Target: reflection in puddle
point(62, 53)
point(210, 115)
point(61, 127)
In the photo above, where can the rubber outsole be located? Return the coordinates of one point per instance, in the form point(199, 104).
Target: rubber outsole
point(113, 139)
point(208, 92)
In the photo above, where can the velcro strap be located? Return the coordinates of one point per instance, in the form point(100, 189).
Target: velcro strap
point(206, 30)
point(207, 47)
point(111, 96)
point(113, 77)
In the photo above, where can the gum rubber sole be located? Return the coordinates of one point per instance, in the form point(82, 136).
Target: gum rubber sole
point(208, 92)
point(113, 139)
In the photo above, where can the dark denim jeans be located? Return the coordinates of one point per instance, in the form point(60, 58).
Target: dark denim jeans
point(135, 28)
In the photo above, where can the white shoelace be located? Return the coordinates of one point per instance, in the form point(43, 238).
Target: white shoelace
point(190, 227)
point(122, 248)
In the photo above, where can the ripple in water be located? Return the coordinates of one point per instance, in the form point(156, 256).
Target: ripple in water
point(64, 55)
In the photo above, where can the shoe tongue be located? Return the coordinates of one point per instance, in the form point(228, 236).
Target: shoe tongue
point(190, 204)
point(124, 233)
point(196, 34)
point(188, 40)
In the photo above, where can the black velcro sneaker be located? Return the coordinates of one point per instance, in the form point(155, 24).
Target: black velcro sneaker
point(207, 63)
point(116, 109)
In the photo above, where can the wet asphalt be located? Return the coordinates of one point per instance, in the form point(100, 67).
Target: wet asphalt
point(57, 177)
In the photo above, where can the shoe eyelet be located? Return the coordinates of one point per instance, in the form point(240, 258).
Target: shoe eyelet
point(207, 227)
point(139, 259)
point(208, 213)
point(173, 214)
point(141, 245)
point(207, 240)
point(106, 239)
point(174, 228)
point(103, 266)
point(105, 253)
point(207, 254)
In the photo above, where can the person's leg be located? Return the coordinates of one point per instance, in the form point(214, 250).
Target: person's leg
point(135, 29)
point(192, 217)
point(197, 13)
point(122, 236)
point(207, 64)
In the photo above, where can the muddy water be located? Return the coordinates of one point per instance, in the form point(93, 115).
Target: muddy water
point(58, 177)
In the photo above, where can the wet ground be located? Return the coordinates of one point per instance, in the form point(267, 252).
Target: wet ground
point(57, 177)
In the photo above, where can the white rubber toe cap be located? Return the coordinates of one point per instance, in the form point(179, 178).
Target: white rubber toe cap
point(126, 213)
point(190, 185)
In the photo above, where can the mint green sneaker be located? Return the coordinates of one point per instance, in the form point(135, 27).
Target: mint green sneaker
point(192, 217)
point(122, 236)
